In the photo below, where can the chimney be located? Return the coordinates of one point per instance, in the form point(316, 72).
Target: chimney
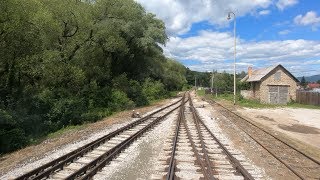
point(249, 71)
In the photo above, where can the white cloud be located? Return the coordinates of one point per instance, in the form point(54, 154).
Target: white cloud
point(312, 62)
point(310, 18)
point(213, 49)
point(264, 12)
point(284, 32)
point(282, 4)
point(179, 15)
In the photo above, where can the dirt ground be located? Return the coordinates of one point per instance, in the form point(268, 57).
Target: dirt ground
point(36, 152)
point(297, 123)
point(252, 151)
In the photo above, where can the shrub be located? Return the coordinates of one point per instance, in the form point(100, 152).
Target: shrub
point(120, 101)
point(153, 89)
point(67, 111)
point(95, 115)
point(12, 139)
point(135, 93)
point(11, 135)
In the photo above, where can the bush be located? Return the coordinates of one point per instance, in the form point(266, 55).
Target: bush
point(120, 101)
point(153, 89)
point(12, 139)
point(11, 135)
point(95, 115)
point(67, 111)
point(186, 87)
point(243, 85)
point(135, 93)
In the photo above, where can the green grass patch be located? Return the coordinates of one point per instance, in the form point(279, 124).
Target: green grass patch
point(200, 92)
point(172, 94)
point(64, 130)
point(38, 140)
point(307, 106)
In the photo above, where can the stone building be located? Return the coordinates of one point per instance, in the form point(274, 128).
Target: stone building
point(274, 85)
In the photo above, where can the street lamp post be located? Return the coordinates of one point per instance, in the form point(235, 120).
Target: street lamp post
point(212, 76)
point(235, 51)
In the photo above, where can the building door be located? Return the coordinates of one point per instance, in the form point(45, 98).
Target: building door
point(273, 94)
point(278, 94)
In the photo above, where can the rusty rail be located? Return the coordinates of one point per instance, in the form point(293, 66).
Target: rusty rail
point(234, 161)
point(273, 154)
point(204, 150)
point(52, 166)
point(207, 175)
point(172, 165)
point(89, 170)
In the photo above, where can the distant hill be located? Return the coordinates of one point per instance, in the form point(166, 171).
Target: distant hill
point(313, 78)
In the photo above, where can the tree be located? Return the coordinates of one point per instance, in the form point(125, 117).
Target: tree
point(242, 74)
point(65, 62)
point(303, 82)
point(174, 75)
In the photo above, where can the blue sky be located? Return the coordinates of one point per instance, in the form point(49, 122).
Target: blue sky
point(269, 32)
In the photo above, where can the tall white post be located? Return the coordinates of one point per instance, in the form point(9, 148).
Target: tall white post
point(212, 82)
point(235, 52)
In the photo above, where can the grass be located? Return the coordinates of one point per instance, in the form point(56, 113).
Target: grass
point(64, 130)
point(56, 134)
point(297, 105)
point(252, 103)
point(200, 92)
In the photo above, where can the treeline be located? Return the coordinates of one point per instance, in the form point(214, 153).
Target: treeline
point(222, 81)
point(66, 62)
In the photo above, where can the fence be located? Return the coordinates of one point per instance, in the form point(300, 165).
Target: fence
point(308, 97)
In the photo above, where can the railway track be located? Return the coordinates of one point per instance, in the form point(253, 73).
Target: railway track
point(299, 163)
point(86, 161)
point(196, 153)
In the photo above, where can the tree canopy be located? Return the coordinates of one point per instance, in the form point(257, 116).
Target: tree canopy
point(66, 62)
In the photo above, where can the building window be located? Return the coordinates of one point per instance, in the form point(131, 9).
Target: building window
point(277, 76)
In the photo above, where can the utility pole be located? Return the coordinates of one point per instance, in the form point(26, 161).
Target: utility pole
point(195, 82)
point(216, 89)
point(235, 51)
point(212, 76)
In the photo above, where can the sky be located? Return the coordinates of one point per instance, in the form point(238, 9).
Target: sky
point(268, 32)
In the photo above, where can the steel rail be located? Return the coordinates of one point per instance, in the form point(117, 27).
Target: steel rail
point(204, 150)
point(273, 154)
point(201, 163)
point(307, 156)
point(89, 170)
point(50, 167)
point(172, 163)
point(233, 160)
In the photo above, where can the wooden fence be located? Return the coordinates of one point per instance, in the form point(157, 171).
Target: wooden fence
point(308, 97)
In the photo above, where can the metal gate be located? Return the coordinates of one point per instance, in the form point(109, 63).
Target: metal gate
point(278, 94)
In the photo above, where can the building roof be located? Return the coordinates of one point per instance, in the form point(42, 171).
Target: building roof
point(258, 74)
point(314, 85)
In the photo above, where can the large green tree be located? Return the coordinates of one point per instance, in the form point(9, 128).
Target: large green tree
point(65, 62)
